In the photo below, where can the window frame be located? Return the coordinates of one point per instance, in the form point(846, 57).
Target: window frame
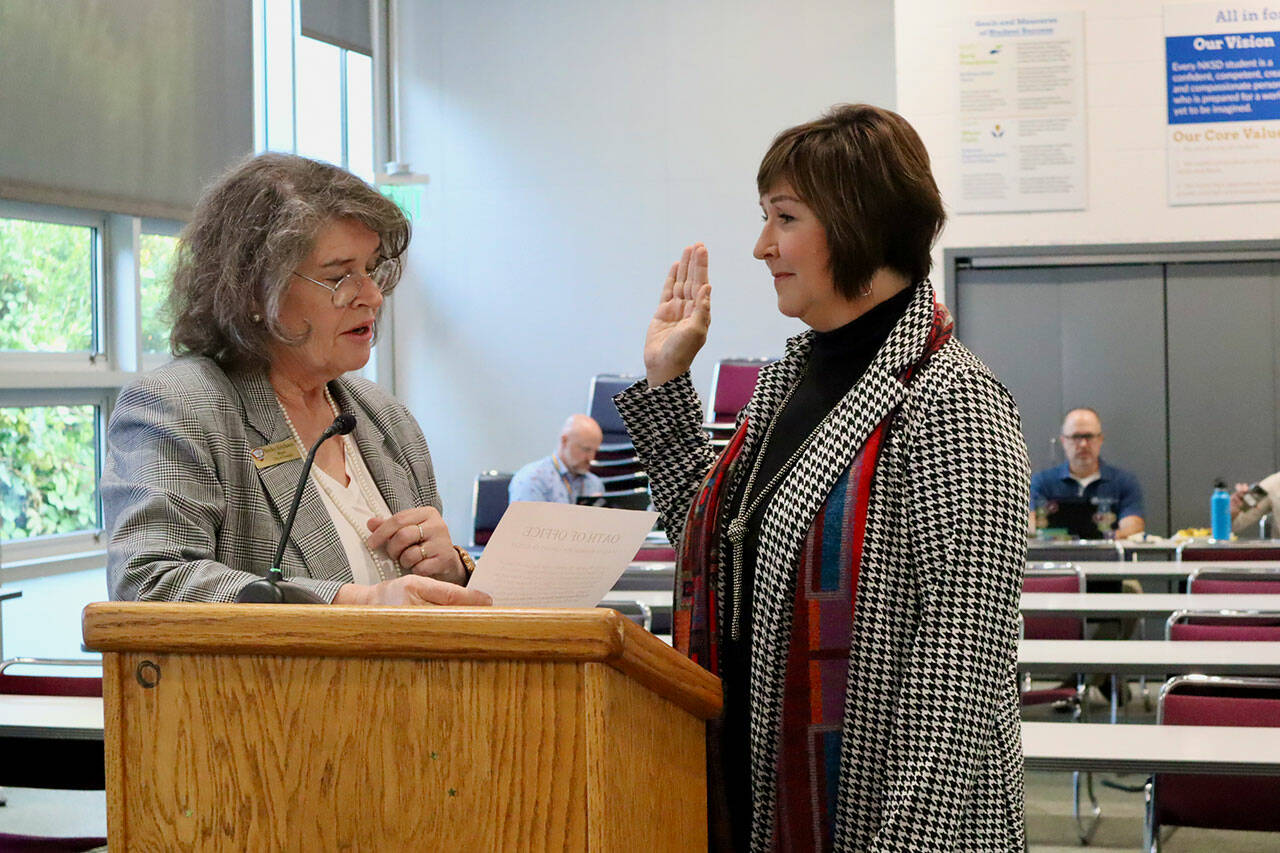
point(29, 379)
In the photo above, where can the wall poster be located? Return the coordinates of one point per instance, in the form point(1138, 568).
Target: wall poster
point(1222, 69)
point(1022, 113)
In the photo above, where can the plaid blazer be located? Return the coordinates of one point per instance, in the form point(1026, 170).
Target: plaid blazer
point(931, 750)
point(191, 518)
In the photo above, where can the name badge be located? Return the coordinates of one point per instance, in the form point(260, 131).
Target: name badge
point(273, 454)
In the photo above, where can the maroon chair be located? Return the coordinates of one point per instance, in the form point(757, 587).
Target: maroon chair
point(1060, 577)
point(1053, 577)
point(1223, 625)
point(1230, 553)
point(58, 764)
point(1233, 579)
point(1214, 801)
point(732, 384)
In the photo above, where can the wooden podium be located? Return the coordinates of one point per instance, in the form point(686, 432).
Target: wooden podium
point(284, 727)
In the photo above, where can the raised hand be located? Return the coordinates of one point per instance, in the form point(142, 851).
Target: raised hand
point(680, 324)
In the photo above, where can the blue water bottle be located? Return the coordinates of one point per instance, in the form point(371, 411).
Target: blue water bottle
point(1220, 512)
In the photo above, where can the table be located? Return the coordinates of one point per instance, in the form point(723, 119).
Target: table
point(1134, 748)
point(1111, 605)
point(1148, 657)
point(51, 742)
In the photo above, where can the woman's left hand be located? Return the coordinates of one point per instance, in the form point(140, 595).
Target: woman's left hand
point(418, 539)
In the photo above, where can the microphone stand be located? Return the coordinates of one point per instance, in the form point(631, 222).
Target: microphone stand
point(273, 588)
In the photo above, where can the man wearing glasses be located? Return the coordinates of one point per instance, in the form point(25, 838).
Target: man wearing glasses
point(1113, 490)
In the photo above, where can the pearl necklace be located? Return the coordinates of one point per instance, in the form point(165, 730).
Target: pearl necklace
point(381, 562)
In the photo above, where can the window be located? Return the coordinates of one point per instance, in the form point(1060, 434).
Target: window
point(155, 271)
point(82, 297)
point(315, 99)
point(48, 470)
point(46, 286)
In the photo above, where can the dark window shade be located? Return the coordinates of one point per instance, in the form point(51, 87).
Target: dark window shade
point(130, 106)
point(344, 23)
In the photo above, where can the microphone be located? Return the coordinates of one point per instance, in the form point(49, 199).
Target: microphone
point(273, 588)
point(1258, 501)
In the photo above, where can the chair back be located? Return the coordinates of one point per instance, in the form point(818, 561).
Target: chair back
point(1223, 625)
point(1218, 802)
point(1080, 550)
point(600, 406)
point(1230, 553)
point(33, 684)
point(488, 502)
point(1053, 577)
point(732, 384)
point(1235, 579)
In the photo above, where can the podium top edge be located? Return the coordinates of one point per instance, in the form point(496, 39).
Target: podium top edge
point(460, 633)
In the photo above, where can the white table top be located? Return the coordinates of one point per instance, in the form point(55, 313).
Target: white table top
point(1142, 657)
point(67, 717)
point(1046, 746)
point(1131, 748)
point(1102, 605)
point(1162, 569)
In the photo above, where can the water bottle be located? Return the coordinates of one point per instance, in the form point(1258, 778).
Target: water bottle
point(1220, 512)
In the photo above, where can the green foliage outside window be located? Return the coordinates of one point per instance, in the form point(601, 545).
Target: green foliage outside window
point(48, 470)
point(155, 264)
point(46, 286)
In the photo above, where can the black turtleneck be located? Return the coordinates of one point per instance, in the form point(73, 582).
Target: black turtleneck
point(837, 361)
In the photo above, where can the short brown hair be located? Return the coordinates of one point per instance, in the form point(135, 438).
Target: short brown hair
point(865, 173)
point(249, 231)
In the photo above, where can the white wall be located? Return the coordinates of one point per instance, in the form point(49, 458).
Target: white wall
point(574, 148)
point(1125, 98)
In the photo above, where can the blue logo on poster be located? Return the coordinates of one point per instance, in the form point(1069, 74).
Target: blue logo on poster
point(1214, 78)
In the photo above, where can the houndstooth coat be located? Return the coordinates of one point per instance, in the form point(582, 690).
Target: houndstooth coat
point(190, 515)
point(931, 751)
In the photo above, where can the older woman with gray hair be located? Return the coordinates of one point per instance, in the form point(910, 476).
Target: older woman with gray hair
point(278, 286)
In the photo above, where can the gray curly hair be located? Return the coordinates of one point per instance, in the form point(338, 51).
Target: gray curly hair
point(250, 230)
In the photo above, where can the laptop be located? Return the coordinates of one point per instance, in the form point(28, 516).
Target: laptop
point(635, 499)
point(1079, 517)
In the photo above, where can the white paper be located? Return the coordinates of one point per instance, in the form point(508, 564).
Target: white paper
point(558, 555)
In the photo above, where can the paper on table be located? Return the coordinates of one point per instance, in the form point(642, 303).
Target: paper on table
point(558, 555)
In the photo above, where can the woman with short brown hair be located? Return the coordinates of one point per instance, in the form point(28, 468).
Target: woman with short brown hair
point(850, 564)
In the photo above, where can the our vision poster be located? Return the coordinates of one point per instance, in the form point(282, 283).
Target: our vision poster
point(1222, 65)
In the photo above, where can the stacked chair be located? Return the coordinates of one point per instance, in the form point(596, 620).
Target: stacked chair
point(625, 482)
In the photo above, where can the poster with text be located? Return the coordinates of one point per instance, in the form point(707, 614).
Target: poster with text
point(1022, 118)
point(1222, 69)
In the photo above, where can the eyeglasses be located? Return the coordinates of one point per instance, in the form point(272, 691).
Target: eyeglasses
point(1078, 437)
point(343, 290)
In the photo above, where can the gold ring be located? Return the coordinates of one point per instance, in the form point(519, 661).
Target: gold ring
point(422, 553)
point(421, 535)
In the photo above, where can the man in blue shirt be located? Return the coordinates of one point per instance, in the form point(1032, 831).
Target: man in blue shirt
point(565, 475)
point(1085, 475)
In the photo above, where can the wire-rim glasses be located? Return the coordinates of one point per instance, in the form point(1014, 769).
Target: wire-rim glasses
point(344, 290)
